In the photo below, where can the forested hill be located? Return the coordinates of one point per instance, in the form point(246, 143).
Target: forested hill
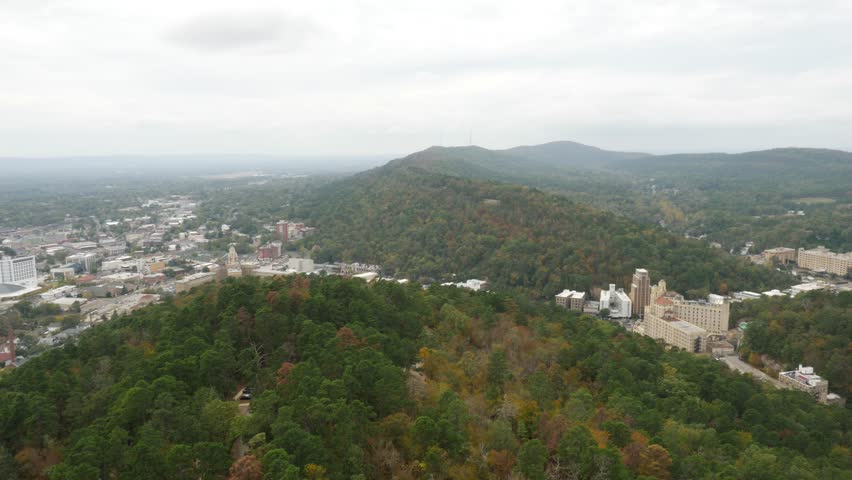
point(548, 165)
point(805, 166)
point(818, 162)
point(501, 389)
point(420, 224)
point(811, 329)
point(731, 198)
point(563, 154)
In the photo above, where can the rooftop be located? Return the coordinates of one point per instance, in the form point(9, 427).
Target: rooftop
point(779, 250)
point(826, 252)
point(804, 375)
point(196, 276)
point(686, 326)
point(571, 294)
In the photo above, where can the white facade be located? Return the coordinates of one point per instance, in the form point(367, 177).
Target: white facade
point(472, 284)
point(807, 287)
point(59, 292)
point(616, 301)
point(19, 271)
point(301, 265)
point(86, 260)
point(367, 276)
point(744, 295)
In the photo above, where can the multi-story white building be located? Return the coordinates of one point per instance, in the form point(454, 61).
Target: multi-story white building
point(87, 260)
point(19, 271)
point(301, 265)
point(822, 259)
point(616, 301)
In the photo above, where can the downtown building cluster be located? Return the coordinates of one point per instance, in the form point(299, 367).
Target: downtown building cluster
point(664, 315)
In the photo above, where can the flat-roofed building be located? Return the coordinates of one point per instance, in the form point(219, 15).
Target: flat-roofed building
point(185, 284)
point(784, 255)
point(367, 276)
point(822, 259)
point(282, 229)
point(712, 315)
point(809, 287)
point(353, 268)
point(59, 292)
point(805, 380)
point(86, 260)
point(269, 251)
point(62, 273)
point(675, 332)
point(640, 291)
point(744, 295)
point(19, 271)
point(571, 300)
point(114, 249)
point(616, 301)
point(301, 265)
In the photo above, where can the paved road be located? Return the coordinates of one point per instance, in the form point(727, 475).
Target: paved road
point(239, 448)
point(734, 363)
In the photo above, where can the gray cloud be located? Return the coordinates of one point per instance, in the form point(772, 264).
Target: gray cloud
point(268, 30)
point(343, 77)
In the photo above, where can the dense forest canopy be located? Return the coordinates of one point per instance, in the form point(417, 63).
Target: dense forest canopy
point(730, 198)
point(812, 329)
point(420, 224)
point(352, 381)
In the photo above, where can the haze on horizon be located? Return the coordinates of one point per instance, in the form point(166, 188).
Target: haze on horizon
point(98, 77)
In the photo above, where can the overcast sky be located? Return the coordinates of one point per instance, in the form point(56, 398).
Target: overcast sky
point(94, 77)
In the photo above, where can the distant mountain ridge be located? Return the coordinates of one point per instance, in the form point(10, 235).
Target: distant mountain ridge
point(583, 172)
point(566, 152)
point(561, 157)
point(727, 198)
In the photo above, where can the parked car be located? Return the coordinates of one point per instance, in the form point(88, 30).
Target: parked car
point(246, 395)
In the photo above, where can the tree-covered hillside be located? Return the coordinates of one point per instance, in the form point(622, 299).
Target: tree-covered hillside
point(565, 154)
point(501, 389)
point(731, 198)
point(424, 225)
point(813, 329)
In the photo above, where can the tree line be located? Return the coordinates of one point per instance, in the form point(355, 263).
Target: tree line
point(354, 381)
